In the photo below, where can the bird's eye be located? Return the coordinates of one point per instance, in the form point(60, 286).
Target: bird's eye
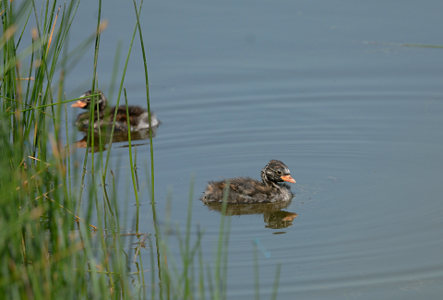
point(279, 172)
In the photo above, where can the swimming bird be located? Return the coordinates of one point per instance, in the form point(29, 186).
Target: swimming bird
point(243, 190)
point(138, 117)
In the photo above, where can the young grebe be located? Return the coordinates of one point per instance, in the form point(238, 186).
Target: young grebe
point(248, 190)
point(138, 117)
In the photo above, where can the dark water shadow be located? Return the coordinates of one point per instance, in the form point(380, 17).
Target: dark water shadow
point(274, 216)
point(119, 136)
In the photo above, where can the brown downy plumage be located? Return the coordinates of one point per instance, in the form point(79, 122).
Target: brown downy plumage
point(247, 190)
point(138, 117)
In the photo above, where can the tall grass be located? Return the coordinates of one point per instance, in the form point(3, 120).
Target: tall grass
point(49, 247)
point(61, 234)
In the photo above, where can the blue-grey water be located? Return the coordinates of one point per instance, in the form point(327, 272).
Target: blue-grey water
point(329, 88)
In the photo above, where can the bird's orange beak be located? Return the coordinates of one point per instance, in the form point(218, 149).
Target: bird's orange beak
point(288, 178)
point(79, 103)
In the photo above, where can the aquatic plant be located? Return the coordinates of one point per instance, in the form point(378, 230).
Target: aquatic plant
point(61, 226)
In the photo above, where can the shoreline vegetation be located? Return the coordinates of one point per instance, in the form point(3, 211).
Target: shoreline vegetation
point(62, 234)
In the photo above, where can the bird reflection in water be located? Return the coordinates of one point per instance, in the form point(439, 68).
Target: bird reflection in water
point(273, 214)
point(121, 136)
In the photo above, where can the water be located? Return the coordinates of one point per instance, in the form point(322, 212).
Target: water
point(327, 88)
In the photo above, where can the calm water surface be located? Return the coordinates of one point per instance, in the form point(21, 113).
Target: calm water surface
point(324, 86)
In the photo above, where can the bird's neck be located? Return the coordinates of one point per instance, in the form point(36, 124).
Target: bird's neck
point(268, 182)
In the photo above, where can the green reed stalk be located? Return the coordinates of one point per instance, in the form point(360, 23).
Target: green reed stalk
point(93, 88)
point(152, 262)
point(90, 142)
point(134, 182)
point(201, 278)
point(186, 259)
point(219, 292)
point(151, 147)
point(276, 282)
point(115, 67)
point(256, 274)
point(148, 103)
point(122, 80)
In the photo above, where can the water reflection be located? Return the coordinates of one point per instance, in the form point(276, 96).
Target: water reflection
point(121, 136)
point(273, 214)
